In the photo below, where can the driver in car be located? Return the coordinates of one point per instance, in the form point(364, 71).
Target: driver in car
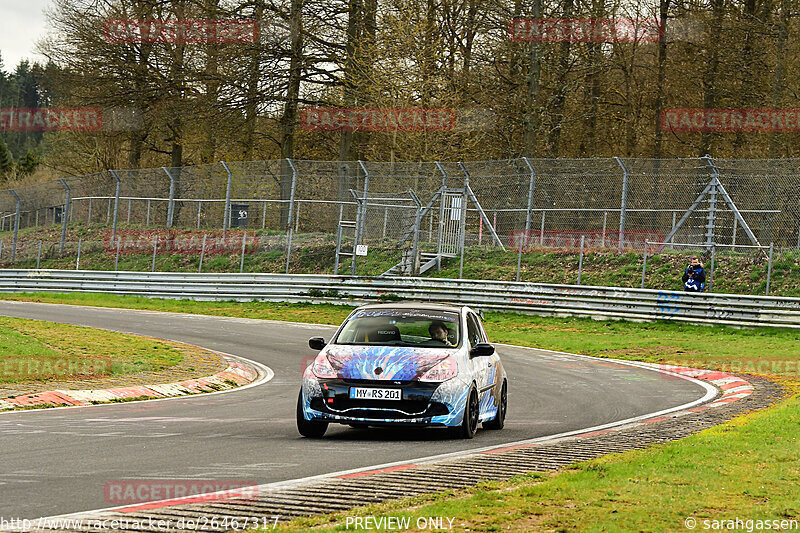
point(438, 332)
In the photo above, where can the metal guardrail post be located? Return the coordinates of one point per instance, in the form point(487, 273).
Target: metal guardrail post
point(116, 204)
point(16, 224)
point(171, 202)
point(226, 221)
point(39, 255)
point(78, 260)
point(65, 214)
point(289, 229)
point(528, 214)
point(462, 235)
point(623, 207)
point(769, 266)
point(580, 260)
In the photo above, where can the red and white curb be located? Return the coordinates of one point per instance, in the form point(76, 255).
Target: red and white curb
point(721, 389)
point(237, 374)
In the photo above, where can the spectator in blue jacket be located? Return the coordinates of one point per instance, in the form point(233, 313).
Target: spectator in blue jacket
point(694, 279)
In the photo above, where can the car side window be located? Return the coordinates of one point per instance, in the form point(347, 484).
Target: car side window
point(474, 333)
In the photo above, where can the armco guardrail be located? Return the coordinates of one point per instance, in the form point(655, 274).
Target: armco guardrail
point(541, 299)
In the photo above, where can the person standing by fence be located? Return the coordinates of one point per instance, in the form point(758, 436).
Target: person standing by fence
point(694, 278)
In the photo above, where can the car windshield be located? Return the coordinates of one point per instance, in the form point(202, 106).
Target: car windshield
point(401, 327)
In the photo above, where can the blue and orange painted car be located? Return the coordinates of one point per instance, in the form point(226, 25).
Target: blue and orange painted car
point(409, 364)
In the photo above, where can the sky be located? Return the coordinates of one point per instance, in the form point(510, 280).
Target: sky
point(22, 23)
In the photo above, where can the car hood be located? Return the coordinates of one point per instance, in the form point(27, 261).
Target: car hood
point(399, 363)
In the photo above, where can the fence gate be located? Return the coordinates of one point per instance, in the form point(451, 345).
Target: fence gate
point(450, 221)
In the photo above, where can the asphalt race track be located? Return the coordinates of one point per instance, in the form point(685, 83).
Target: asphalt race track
point(58, 461)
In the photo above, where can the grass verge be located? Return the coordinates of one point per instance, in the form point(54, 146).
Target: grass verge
point(48, 343)
point(746, 468)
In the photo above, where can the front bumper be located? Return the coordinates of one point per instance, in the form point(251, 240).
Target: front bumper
point(422, 404)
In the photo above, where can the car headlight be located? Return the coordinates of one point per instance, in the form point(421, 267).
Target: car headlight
point(445, 369)
point(322, 368)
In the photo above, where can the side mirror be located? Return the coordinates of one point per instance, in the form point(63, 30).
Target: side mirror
point(316, 343)
point(481, 350)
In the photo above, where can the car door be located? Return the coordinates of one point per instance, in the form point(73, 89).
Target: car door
point(482, 367)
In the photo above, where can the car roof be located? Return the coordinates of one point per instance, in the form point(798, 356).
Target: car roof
point(453, 308)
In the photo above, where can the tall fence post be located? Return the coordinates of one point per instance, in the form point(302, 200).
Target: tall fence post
point(462, 235)
point(769, 267)
point(290, 226)
point(155, 249)
point(712, 202)
point(171, 202)
point(226, 221)
point(580, 260)
point(116, 204)
point(623, 207)
point(644, 263)
point(362, 219)
point(39, 255)
point(244, 245)
point(528, 214)
point(202, 254)
point(713, 264)
point(116, 257)
point(65, 214)
point(16, 224)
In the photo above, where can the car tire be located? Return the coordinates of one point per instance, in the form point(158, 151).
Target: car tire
point(499, 419)
point(308, 428)
point(469, 425)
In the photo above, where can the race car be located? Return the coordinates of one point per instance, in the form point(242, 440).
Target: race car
point(409, 364)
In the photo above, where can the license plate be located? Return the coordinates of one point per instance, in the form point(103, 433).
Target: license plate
point(360, 393)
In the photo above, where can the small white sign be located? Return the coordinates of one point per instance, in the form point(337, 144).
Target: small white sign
point(361, 249)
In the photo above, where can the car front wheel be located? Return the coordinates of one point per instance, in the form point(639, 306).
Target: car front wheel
point(308, 428)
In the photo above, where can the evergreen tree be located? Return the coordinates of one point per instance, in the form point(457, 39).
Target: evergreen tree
point(6, 161)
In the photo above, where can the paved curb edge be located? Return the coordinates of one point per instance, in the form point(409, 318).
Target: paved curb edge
point(235, 375)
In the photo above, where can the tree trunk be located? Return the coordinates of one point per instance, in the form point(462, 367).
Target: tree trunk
point(289, 118)
point(779, 83)
point(347, 150)
point(711, 71)
point(663, 11)
point(533, 86)
point(560, 96)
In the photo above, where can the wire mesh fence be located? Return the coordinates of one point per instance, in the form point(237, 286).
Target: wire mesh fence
point(437, 209)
